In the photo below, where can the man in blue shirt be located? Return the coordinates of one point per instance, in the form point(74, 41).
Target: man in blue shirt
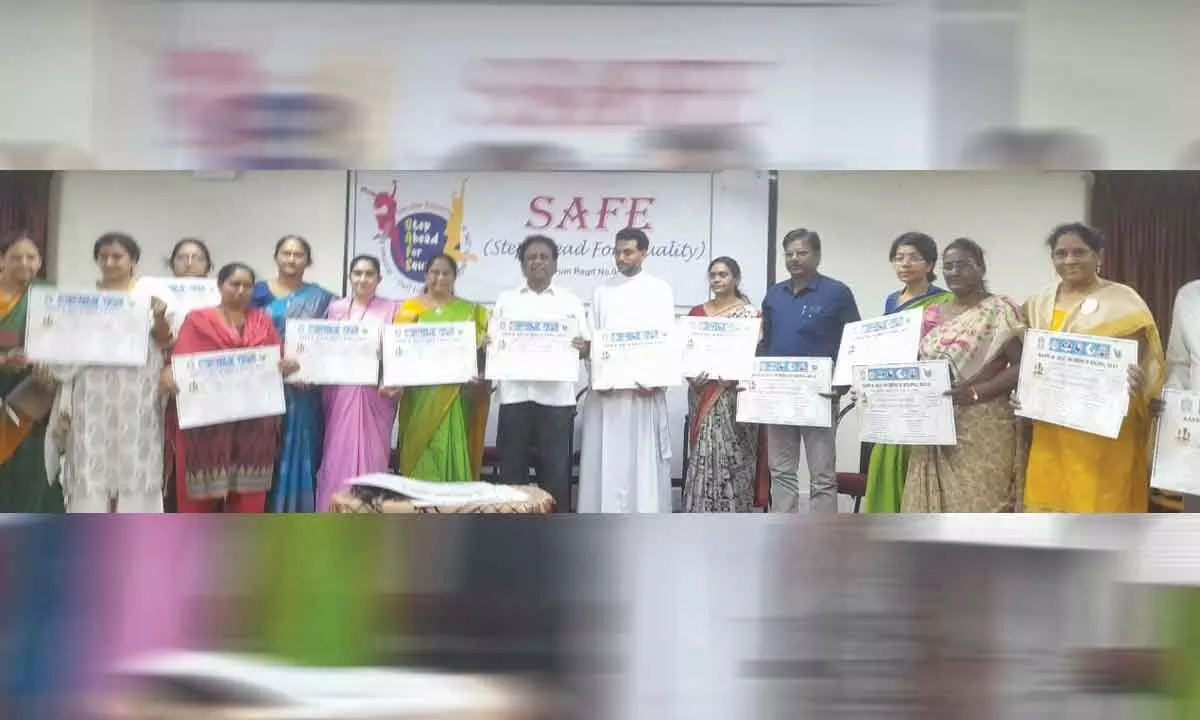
point(803, 317)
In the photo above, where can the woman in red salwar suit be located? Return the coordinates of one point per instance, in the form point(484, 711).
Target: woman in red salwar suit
point(227, 467)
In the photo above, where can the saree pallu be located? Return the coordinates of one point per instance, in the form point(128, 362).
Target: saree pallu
point(24, 484)
point(1076, 472)
point(442, 427)
point(294, 486)
point(889, 463)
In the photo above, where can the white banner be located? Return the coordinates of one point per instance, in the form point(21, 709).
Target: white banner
point(480, 219)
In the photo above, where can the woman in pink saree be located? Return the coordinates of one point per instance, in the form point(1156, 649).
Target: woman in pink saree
point(358, 418)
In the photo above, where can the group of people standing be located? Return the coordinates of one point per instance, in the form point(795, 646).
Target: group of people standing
point(1000, 462)
point(111, 440)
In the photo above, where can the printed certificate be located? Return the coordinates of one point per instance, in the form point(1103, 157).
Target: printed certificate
point(228, 386)
point(1177, 446)
point(183, 295)
point(623, 359)
point(906, 404)
point(429, 354)
point(527, 349)
point(1076, 381)
point(332, 352)
point(787, 391)
point(721, 347)
point(87, 328)
point(892, 338)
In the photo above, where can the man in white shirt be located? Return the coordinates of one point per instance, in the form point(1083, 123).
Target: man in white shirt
point(625, 464)
point(537, 419)
point(1183, 353)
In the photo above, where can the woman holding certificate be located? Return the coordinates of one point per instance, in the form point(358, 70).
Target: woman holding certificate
point(914, 256)
point(442, 427)
point(188, 259)
point(109, 420)
point(722, 454)
point(358, 418)
point(227, 466)
point(979, 335)
point(23, 484)
point(286, 297)
point(1072, 471)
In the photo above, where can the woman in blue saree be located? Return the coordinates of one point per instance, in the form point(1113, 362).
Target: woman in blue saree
point(286, 297)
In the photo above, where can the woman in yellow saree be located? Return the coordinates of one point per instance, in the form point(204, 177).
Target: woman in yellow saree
point(442, 426)
point(1072, 471)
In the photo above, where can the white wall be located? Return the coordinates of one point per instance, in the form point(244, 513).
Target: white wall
point(46, 52)
point(859, 214)
point(239, 219)
point(1119, 70)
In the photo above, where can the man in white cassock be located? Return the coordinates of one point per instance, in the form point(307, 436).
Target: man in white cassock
point(625, 461)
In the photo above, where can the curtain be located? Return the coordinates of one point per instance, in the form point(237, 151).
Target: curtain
point(1151, 226)
point(25, 205)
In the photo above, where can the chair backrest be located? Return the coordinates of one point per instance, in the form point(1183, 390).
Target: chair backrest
point(864, 449)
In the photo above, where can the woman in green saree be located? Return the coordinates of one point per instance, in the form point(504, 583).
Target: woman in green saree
point(442, 426)
point(23, 484)
point(914, 256)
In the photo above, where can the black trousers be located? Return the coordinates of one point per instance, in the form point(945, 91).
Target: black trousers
point(539, 436)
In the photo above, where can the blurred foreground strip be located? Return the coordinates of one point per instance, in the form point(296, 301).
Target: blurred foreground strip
point(218, 685)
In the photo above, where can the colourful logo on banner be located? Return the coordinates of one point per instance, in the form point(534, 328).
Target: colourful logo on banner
point(412, 235)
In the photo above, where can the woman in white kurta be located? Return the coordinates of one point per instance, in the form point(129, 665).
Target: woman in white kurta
point(108, 421)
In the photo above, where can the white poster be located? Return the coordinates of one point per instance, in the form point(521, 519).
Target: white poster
point(788, 391)
point(429, 354)
point(892, 338)
point(480, 219)
point(332, 352)
point(721, 348)
point(906, 404)
point(1076, 381)
point(87, 328)
point(1177, 445)
point(183, 295)
point(213, 386)
point(627, 359)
